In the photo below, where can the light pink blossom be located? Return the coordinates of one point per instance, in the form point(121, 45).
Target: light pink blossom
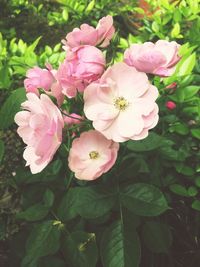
point(88, 35)
point(38, 78)
point(122, 105)
point(40, 127)
point(159, 58)
point(91, 155)
point(83, 65)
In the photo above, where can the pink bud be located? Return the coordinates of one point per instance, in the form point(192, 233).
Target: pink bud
point(172, 86)
point(170, 105)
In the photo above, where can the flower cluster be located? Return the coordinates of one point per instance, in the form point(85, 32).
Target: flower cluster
point(118, 99)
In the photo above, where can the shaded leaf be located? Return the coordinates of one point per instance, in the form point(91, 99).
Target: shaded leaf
point(80, 249)
point(120, 246)
point(143, 199)
point(157, 237)
point(11, 107)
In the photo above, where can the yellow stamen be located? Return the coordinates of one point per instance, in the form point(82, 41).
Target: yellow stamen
point(94, 154)
point(121, 103)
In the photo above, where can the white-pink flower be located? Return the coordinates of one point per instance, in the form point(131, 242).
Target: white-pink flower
point(122, 105)
point(88, 35)
point(40, 127)
point(159, 58)
point(82, 65)
point(91, 155)
point(38, 78)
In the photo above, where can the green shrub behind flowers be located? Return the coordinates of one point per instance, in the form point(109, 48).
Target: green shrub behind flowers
point(113, 220)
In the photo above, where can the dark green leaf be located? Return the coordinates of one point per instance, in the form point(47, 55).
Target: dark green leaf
point(34, 213)
point(43, 240)
point(11, 107)
point(94, 202)
point(157, 237)
point(144, 199)
point(196, 205)
point(48, 198)
point(51, 261)
point(120, 246)
point(5, 80)
point(196, 133)
point(68, 206)
point(80, 249)
point(151, 142)
point(179, 190)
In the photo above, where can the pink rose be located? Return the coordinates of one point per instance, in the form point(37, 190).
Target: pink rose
point(40, 127)
point(88, 35)
point(170, 105)
point(91, 155)
point(74, 119)
point(159, 58)
point(122, 105)
point(83, 65)
point(38, 78)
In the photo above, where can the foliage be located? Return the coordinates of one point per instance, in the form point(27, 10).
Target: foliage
point(150, 199)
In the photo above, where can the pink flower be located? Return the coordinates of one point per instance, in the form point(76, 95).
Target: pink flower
point(38, 78)
point(56, 89)
point(74, 119)
point(83, 65)
point(105, 31)
point(170, 105)
point(91, 155)
point(40, 127)
point(159, 58)
point(122, 105)
point(88, 35)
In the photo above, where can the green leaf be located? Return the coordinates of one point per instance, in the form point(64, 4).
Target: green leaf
point(5, 80)
point(176, 30)
point(90, 7)
point(179, 128)
point(80, 249)
point(192, 191)
point(94, 201)
point(51, 261)
point(43, 240)
point(32, 47)
point(196, 133)
point(48, 198)
point(2, 150)
point(157, 237)
point(151, 142)
point(120, 246)
point(155, 26)
point(179, 190)
point(68, 206)
point(65, 14)
point(11, 107)
point(34, 213)
point(196, 205)
point(144, 199)
point(186, 65)
point(190, 91)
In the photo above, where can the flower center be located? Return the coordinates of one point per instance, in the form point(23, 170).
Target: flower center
point(121, 103)
point(94, 154)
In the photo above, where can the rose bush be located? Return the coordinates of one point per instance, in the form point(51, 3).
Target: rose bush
point(111, 135)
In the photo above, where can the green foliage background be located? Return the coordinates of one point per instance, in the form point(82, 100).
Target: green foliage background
point(146, 211)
